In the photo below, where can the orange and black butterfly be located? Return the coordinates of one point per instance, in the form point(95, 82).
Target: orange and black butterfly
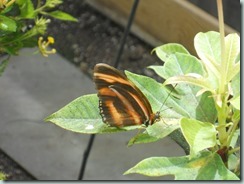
point(121, 103)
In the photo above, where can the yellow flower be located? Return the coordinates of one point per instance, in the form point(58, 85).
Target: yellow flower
point(44, 44)
point(50, 39)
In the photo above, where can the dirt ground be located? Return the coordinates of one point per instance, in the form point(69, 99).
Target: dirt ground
point(95, 38)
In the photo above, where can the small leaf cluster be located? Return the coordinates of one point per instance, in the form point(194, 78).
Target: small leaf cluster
point(2, 176)
point(22, 21)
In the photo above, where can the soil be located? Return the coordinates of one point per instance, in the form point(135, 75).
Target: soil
point(93, 39)
point(12, 169)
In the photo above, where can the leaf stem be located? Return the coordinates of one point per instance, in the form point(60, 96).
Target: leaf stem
point(233, 129)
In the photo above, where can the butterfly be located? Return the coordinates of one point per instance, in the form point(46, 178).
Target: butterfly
point(121, 103)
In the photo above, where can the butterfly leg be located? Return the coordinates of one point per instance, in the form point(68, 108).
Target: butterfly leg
point(134, 139)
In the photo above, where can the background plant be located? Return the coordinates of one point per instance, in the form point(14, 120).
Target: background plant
point(23, 21)
point(2, 176)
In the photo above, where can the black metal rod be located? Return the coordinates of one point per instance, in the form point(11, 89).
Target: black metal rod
point(116, 63)
point(85, 156)
point(126, 32)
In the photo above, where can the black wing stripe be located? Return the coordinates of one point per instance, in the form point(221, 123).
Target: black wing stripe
point(131, 103)
point(115, 113)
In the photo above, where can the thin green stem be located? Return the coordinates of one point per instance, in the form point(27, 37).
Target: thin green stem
point(234, 150)
point(232, 131)
point(222, 108)
point(223, 136)
point(38, 4)
point(222, 83)
point(40, 8)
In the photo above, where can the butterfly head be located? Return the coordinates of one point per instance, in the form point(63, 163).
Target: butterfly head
point(154, 117)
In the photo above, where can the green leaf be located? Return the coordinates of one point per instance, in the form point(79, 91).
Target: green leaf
point(215, 169)
point(236, 102)
point(191, 80)
point(142, 138)
point(3, 65)
point(82, 116)
point(205, 166)
point(26, 8)
point(232, 53)
point(179, 64)
point(209, 50)
point(233, 162)
point(235, 85)
point(235, 138)
point(161, 129)
point(7, 24)
point(176, 135)
point(62, 16)
point(199, 135)
point(199, 107)
point(156, 132)
point(164, 51)
point(207, 46)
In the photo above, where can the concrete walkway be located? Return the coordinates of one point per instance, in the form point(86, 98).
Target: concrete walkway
point(31, 88)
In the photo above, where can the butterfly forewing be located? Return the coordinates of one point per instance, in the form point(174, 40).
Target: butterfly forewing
point(121, 103)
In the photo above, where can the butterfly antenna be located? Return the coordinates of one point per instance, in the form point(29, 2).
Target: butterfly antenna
point(167, 98)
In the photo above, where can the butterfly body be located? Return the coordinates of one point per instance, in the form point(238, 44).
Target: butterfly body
point(121, 103)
